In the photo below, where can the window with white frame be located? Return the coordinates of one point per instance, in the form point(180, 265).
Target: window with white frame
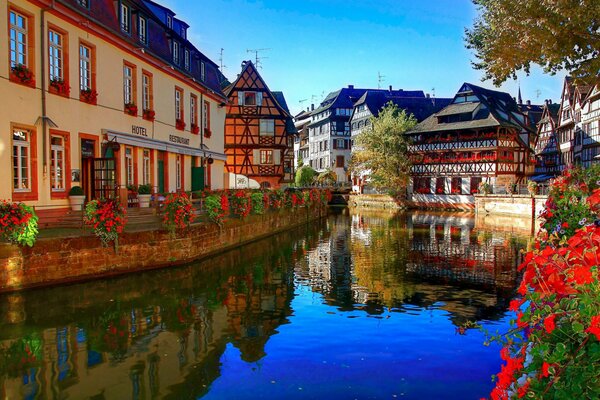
point(266, 156)
point(202, 71)
point(178, 108)
point(170, 21)
point(178, 172)
point(21, 160)
point(55, 55)
point(146, 88)
point(206, 116)
point(129, 166)
point(146, 170)
point(18, 39)
point(250, 98)
point(85, 67)
point(128, 84)
point(193, 112)
point(143, 30)
point(176, 52)
point(125, 18)
point(57, 163)
point(267, 127)
point(186, 59)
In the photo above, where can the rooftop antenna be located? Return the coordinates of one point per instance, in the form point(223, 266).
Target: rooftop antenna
point(257, 59)
point(380, 79)
point(433, 95)
point(301, 101)
point(538, 93)
point(223, 66)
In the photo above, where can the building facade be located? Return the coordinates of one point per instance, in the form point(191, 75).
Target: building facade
point(105, 96)
point(301, 147)
point(259, 132)
point(480, 136)
point(590, 119)
point(547, 163)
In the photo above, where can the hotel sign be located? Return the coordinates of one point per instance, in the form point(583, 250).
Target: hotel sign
point(179, 140)
point(139, 130)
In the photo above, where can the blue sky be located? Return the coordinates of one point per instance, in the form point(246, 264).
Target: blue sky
point(316, 47)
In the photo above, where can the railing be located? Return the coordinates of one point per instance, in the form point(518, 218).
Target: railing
point(521, 189)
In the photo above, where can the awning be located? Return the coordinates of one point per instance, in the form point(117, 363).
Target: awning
point(540, 178)
point(148, 143)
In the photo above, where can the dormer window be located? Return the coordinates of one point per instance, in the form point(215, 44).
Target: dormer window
point(183, 32)
point(84, 3)
point(250, 98)
point(125, 18)
point(202, 71)
point(176, 52)
point(143, 30)
point(170, 21)
point(186, 60)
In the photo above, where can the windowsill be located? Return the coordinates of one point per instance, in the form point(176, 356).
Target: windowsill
point(83, 100)
point(24, 196)
point(16, 80)
point(58, 93)
point(58, 194)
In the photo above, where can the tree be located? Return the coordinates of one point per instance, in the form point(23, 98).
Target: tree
point(510, 35)
point(305, 176)
point(381, 150)
point(327, 177)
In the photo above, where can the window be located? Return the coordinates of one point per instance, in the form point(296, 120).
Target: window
point(57, 163)
point(475, 181)
point(266, 156)
point(178, 104)
point(339, 162)
point(339, 144)
point(125, 18)
point(193, 110)
point(202, 71)
point(147, 96)
point(456, 185)
point(19, 39)
point(267, 127)
point(206, 117)
point(186, 59)
point(146, 168)
point(143, 30)
point(178, 172)
point(21, 160)
point(250, 98)
point(170, 21)
point(55, 55)
point(85, 67)
point(83, 3)
point(128, 85)
point(176, 52)
point(422, 185)
point(129, 180)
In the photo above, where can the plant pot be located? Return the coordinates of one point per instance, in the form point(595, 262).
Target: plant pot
point(144, 200)
point(76, 202)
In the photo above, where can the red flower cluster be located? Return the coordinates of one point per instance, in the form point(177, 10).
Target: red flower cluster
point(131, 109)
point(148, 114)
point(59, 86)
point(179, 124)
point(178, 211)
point(14, 221)
point(195, 129)
point(241, 204)
point(106, 218)
point(22, 74)
point(88, 96)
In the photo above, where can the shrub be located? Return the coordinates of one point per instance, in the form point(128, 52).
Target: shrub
point(76, 191)
point(145, 189)
point(18, 223)
point(258, 203)
point(217, 207)
point(305, 176)
point(241, 204)
point(106, 218)
point(178, 212)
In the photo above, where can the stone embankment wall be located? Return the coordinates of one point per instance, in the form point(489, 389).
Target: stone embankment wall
point(382, 201)
point(61, 260)
point(522, 205)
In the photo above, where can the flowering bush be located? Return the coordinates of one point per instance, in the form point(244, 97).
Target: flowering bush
point(178, 212)
point(106, 218)
point(59, 86)
point(131, 109)
point(276, 199)
point(88, 96)
point(241, 204)
point(554, 350)
point(23, 74)
point(18, 223)
point(258, 203)
point(148, 114)
point(217, 207)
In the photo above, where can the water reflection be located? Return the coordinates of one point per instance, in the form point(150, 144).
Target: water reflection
point(200, 330)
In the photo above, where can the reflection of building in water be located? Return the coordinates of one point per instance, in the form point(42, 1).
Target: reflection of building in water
point(159, 335)
point(445, 247)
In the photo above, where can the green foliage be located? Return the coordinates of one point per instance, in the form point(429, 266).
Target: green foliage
point(327, 177)
point(510, 35)
point(145, 189)
point(258, 205)
point(305, 176)
point(381, 150)
point(76, 191)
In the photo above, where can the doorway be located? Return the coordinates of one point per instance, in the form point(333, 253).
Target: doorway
point(88, 151)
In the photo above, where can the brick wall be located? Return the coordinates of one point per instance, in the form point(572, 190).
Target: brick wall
point(60, 260)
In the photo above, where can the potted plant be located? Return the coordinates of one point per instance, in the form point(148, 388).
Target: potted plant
point(144, 195)
point(532, 188)
point(131, 109)
point(76, 198)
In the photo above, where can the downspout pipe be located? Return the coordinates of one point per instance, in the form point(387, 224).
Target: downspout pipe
point(43, 83)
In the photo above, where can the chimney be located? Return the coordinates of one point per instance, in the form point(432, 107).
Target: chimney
point(427, 95)
point(350, 86)
point(528, 102)
point(312, 107)
point(390, 88)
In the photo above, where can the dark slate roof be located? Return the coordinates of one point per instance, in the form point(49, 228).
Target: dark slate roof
point(460, 108)
point(349, 96)
point(420, 107)
point(533, 112)
point(103, 13)
point(289, 122)
point(496, 109)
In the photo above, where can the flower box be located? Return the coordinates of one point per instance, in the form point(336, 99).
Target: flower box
point(59, 87)
point(179, 124)
point(131, 109)
point(148, 114)
point(88, 96)
point(195, 129)
point(207, 133)
point(21, 74)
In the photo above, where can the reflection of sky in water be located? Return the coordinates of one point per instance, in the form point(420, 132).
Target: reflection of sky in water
point(324, 353)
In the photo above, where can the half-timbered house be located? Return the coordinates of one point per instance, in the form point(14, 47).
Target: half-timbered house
point(258, 131)
point(546, 145)
point(590, 118)
point(480, 136)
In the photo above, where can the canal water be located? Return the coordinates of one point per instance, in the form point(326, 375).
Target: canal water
point(358, 306)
